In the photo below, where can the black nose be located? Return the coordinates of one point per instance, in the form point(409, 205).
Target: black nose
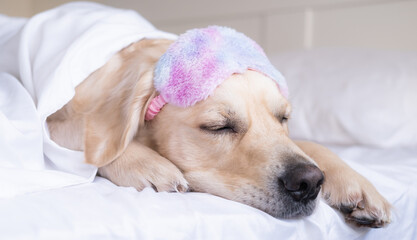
point(302, 181)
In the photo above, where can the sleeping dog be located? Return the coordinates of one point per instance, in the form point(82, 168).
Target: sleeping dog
point(234, 144)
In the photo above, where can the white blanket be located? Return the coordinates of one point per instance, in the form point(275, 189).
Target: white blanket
point(101, 210)
point(42, 60)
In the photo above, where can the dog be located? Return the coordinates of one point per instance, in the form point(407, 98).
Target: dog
point(235, 144)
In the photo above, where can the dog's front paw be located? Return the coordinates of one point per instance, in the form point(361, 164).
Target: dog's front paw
point(158, 173)
point(357, 198)
point(164, 178)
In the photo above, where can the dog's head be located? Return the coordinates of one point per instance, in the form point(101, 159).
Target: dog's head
point(234, 144)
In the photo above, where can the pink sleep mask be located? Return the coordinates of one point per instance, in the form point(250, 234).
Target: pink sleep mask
point(200, 60)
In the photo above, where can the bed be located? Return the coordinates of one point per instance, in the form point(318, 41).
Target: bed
point(359, 103)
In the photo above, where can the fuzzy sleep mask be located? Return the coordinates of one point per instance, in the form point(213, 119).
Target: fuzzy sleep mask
point(200, 60)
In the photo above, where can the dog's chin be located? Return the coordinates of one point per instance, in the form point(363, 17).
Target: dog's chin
point(278, 204)
point(285, 209)
point(295, 210)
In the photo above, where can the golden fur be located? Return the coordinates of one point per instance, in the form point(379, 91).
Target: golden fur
point(183, 148)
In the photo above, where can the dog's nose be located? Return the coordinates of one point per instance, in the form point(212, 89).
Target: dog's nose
point(302, 181)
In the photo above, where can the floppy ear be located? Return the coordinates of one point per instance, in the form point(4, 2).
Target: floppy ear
point(113, 123)
point(113, 100)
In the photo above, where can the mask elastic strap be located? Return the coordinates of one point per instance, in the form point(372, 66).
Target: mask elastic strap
point(154, 107)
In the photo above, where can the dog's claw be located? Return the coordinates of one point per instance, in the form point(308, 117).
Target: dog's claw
point(181, 187)
point(347, 209)
point(361, 221)
point(361, 205)
point(365, 222)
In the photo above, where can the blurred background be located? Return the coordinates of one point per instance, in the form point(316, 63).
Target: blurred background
point(277, 25)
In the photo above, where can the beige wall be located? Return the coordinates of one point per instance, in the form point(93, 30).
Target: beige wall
point(278, 25)
point(16, 7)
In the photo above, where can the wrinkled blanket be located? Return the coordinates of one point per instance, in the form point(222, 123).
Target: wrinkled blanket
point(42, 60)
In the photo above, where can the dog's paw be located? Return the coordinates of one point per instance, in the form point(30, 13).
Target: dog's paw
point(357, 199)
point(167, 180)
point(158, 173)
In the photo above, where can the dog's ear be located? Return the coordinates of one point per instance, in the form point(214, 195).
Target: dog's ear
point(113, 123)
point(113, 100)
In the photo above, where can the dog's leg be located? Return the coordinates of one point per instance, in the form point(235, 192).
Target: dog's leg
point(140, 167)
point(347, 190)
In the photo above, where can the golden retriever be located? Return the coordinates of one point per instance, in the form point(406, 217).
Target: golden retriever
point(234, 144)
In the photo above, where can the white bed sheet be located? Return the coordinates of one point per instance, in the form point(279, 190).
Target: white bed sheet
point(101, 210)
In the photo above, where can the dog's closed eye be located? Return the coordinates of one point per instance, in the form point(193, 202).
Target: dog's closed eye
point(283, 119)
point(218, 128)
point(223, 121)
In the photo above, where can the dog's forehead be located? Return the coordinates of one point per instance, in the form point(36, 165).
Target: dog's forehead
point(250, 88)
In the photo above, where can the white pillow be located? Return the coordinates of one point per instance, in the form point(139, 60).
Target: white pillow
point(349, 97)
